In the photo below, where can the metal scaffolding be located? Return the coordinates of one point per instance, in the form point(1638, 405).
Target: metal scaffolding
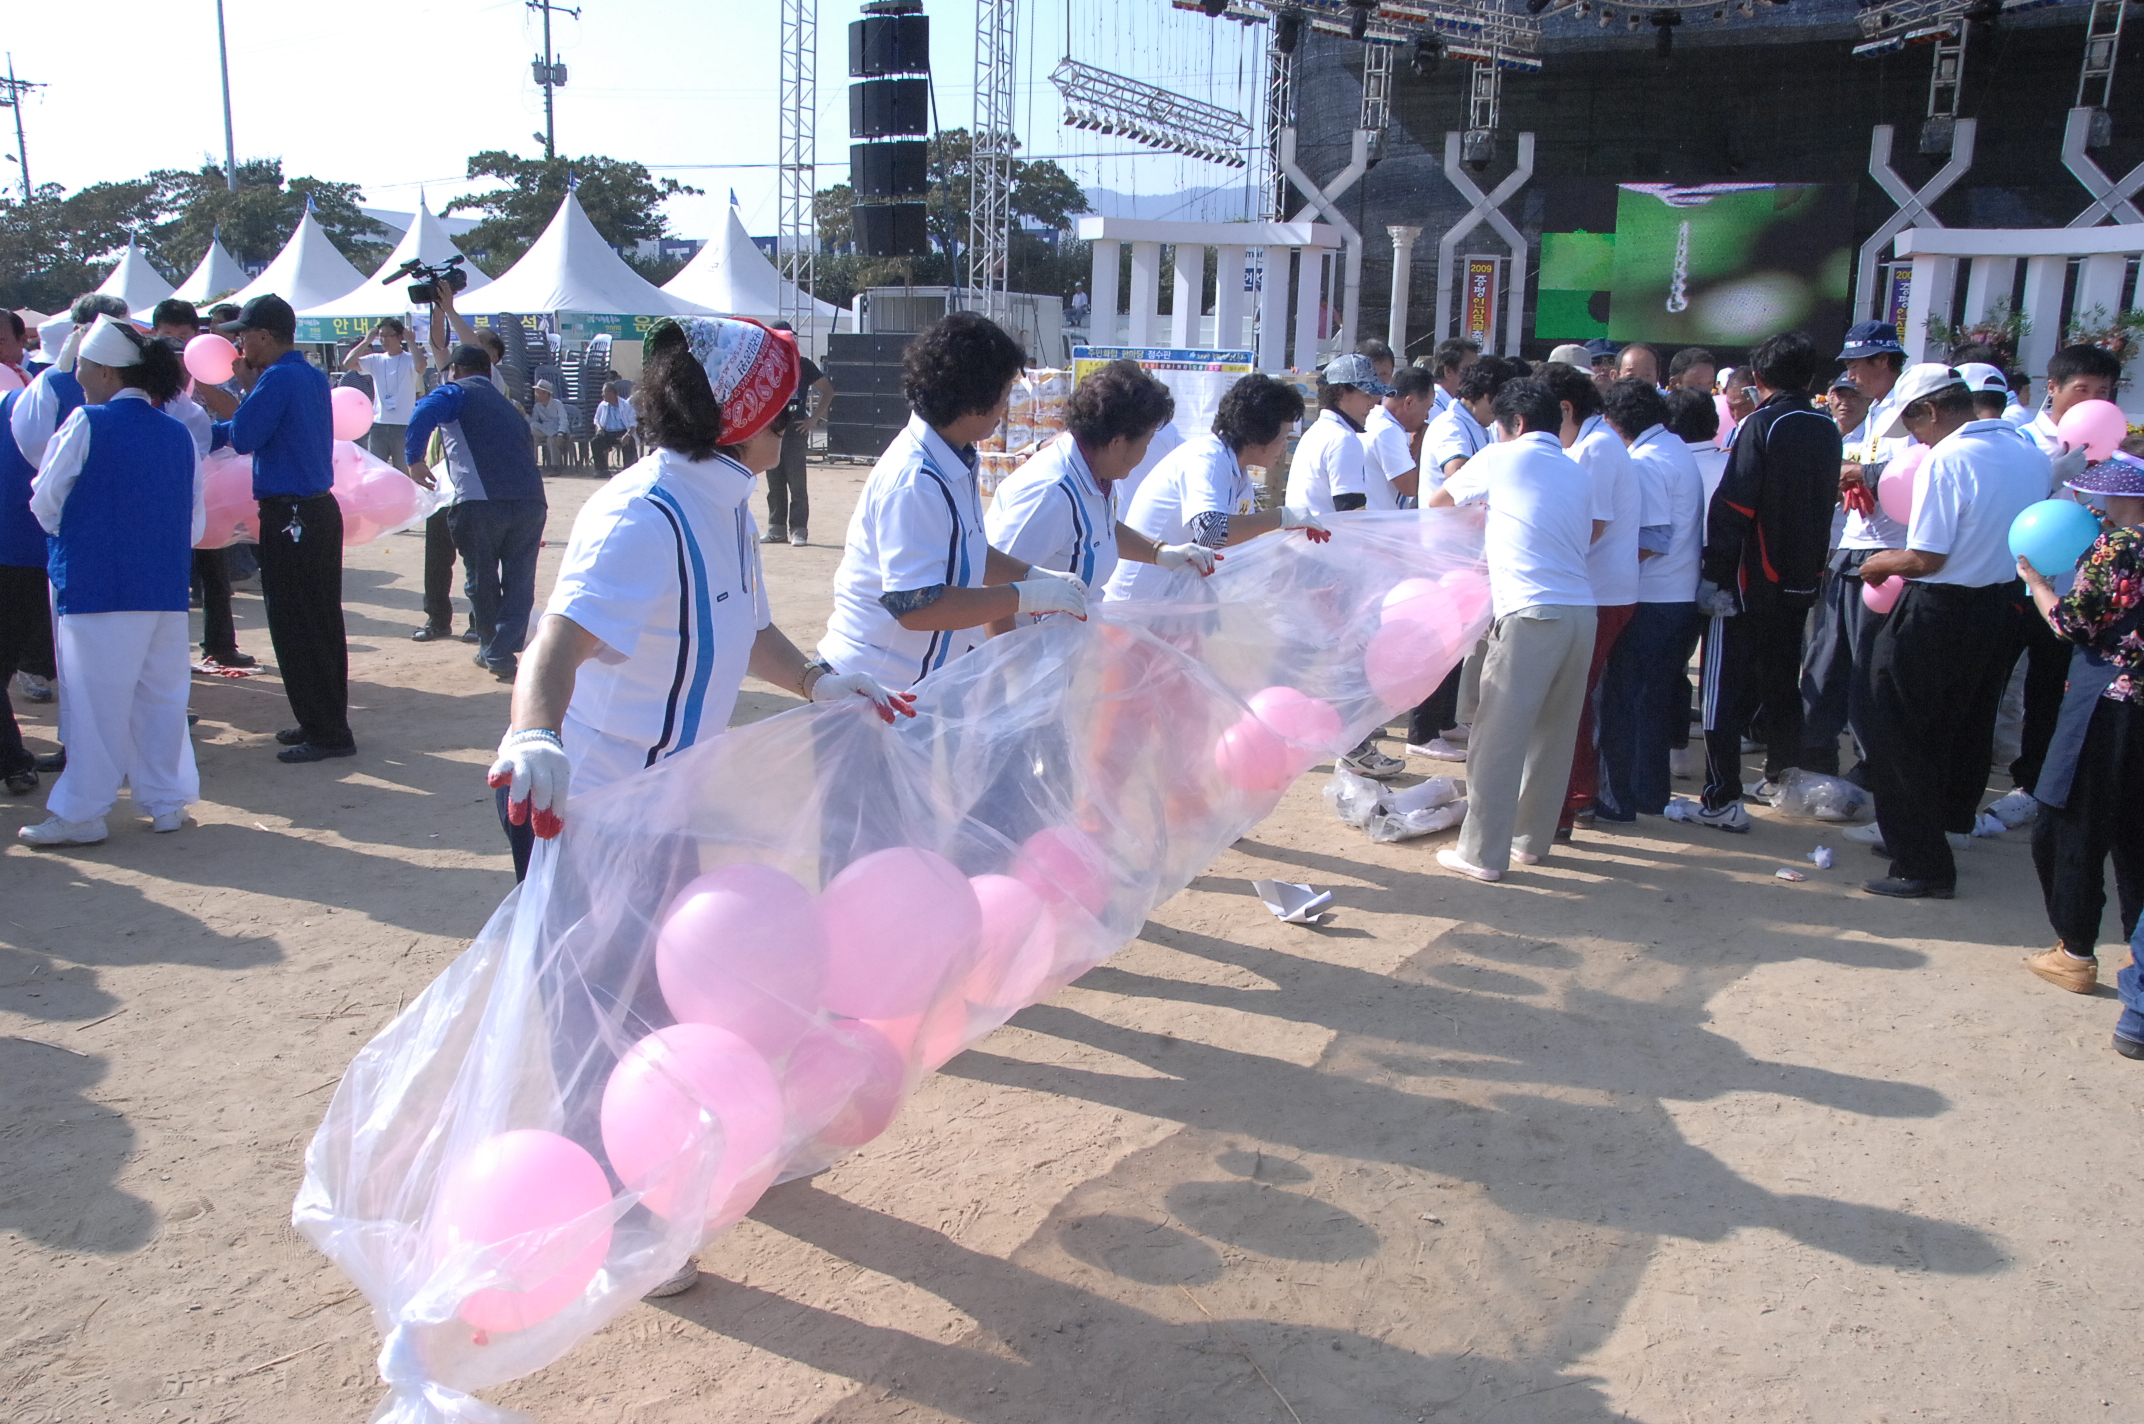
point(990, 161)
point(1280, 115)
point(796, 242)
point(1376, 94)
point(2102, 42)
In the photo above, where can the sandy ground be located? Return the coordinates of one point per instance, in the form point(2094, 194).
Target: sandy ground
point(1642, 1134)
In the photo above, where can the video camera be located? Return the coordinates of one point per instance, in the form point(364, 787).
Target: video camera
point(426, 292)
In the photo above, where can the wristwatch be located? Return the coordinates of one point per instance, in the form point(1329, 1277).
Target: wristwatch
point(819, 666)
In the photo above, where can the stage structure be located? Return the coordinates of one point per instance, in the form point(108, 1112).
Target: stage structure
point(796, 242)
point(1311, 243)
point(990, 160)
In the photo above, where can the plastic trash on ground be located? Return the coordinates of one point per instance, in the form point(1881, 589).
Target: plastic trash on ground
point(1391, 826)
point(1354, 798)
point(1825, 798)
point(1291, 903)
point(734, 967)
point(1821, 857)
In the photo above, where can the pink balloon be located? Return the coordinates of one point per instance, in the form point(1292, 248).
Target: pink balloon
point(353, 412)
point(210, 359)
point(1882, 597)
point(1406, 660)
point(1406, 592)
point(743, 948)
point(661, 1110)
point(1310, 724)
point(1251, 757)
point(1894, 489)
point(844, 1083)
point(898, 923)
point(1063, 865)
point(1727, 421)
point(1468, 590)
point(2099, 426)
point(1014, 955)
point(525, 1184)
point(931, 1039)
point(387, 496)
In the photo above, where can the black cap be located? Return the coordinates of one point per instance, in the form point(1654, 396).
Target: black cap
point(1600, 347)
point(268, 313)
point(1871, 338)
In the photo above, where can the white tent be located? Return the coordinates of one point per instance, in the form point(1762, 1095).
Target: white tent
point(217, 275)
point(731, 275)
point(572, 269)
point(308, 272)
point(426, 239)
point(135, 282)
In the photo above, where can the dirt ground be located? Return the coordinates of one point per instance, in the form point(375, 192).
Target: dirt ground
point(1644, 1133)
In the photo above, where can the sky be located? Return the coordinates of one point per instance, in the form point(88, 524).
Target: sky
point(394, 95)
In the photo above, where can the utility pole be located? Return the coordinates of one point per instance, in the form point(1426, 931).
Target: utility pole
point(11, 92)
point(550, 74)
point(230, 145)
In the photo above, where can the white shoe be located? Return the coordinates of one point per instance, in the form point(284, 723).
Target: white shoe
point(1458, 735)
point(1525, 857)
point(1679, 763)
point(1729, 818)
point(1764, 790)
point(168, 821)
point(56, 832)
point(1751, 744)
point(1453, 860)
point(1374, 764)
point(37, 689)
point(1438, 750)
point(1957, 842)
point(684, 1279)
point(2019, 808)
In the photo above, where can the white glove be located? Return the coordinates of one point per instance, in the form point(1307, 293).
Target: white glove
point(1717, 602)
point(1297, 516)
point(1048, 591)
point(532, 766)
point(1185, 556)
point(2070, 464)
point(833, 686)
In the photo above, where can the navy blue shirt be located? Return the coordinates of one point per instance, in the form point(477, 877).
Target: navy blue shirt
point(286, 424)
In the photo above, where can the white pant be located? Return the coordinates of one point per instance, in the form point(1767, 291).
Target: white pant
point(124, 680)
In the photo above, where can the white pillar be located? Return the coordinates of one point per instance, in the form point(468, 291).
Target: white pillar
point(1188, 303)
point(2044, 277)
point(1309, 293)
point(1402, 278)
point(1228, 298)
point(1102, 324)
point(1146, 294)
point(1273, 310)
point(2099, 284)
point(1987, 282)
point(1933, 278)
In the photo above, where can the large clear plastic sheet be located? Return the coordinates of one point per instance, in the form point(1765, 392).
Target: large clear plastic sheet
point(733, 968)
point(376, 498)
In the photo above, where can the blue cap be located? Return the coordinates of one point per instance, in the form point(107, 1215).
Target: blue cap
point(1601, 346)
point(1355, 370)
point(1871, 338)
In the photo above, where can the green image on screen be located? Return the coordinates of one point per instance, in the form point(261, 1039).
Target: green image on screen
point(1576, 267)
point(1727, 263)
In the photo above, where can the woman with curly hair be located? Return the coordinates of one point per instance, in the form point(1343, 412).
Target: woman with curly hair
point(919, 582)
point(664, 561)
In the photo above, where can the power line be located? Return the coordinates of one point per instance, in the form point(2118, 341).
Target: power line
point(550, 74)
point(11, 92)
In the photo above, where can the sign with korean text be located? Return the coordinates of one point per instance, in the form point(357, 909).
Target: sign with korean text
point(1477, 300)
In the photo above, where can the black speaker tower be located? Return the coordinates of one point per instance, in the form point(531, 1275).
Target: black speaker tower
point(889, 117)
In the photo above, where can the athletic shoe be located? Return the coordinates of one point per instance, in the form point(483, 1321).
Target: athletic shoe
point(1763, 790)
point(1458, 735)
point(1451, 859)
point(798, 538)
point(1730, 817)
point(469, 635)
point(1374, 764)
point(683, 1279)
point(1527, 857)
point(2128, 1047)
point(1750, 744)
point(56, 832)
point(232, 659)
point(1898, 888)
point(313, 751)
point(775, 534)
point(1438, 749)
point(167, 822)
point(37, 689)
point(430, 634)
point(1679, 763)
point(2065, 970)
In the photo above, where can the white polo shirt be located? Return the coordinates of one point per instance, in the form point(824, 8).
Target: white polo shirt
point(1201, 476)
point(918, 524)
point(663, 568)
point(1164, 444)
point(1387, 455)
point(1328, 462)
point(1711, 468)
point(1052, 511)
point(1877, 530)
point(394, 385)
point(1980, 478)
point(1671, 491)
point(1452, 434)
point(1612, 560)
point(1540, 517)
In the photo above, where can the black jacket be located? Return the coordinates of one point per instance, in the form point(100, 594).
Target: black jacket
point(1768, 533)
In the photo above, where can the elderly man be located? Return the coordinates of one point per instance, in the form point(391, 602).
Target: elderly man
point(549, 423)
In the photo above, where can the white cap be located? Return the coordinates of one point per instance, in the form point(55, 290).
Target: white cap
point(107, 345)
point(1980, 376)
point(53, 334)
point(1572, 354)
point(1918, 383)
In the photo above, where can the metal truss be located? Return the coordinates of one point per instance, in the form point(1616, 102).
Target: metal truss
point(1483, 29)
point(2102, 44)
point(1376, 94)
point(796, 245)
point(1279, 116)
point(990, 160)
point(1144, 113)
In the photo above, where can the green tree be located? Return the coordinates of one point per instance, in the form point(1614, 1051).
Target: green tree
point(622, 199)
point(256, 220)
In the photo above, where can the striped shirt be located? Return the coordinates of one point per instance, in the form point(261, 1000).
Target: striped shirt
point(1051, 511)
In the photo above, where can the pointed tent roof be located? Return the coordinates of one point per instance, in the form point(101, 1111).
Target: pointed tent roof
point(426, 239)
point(217, 275)
point(731, 274)
point(572, 269)
point(307, 272)
point(135, 282)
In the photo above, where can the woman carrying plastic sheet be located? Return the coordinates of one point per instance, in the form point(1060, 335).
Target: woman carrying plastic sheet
point(659, 610)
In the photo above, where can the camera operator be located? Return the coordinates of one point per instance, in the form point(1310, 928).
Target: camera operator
point(393, 370)
point(446, 318)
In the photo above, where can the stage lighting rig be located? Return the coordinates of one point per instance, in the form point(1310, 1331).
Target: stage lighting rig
point(1110, 104)
point(1664, 23)
point(1469, 29)
point(1428, 50)
point(1287, 31)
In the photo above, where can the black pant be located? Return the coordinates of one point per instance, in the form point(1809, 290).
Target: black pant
point(609, 440)
point(219, 634)
point(1753, 668)
point(1936, 672)
point(301, 583)
point(438, 573)
point(498, 539)
point(25, 625)
point(1841, 627)
point(2105, 815)
point(1642, 699)
point(1438, 710)
point(788, 501)
point(2047, 673)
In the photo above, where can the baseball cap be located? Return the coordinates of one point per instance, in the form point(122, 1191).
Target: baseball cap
point(269, 313)
point(1572, 354)
point(1870, 338)
point(1980, 376)
point(1843, 382)
point(1355, 370)
point(1601, 346)
point(1918, 383)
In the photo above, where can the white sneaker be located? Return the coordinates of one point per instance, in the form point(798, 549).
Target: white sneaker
point(37, 689)
point(1438, 749)
point(1679, 763)
point(1764, 790)
point(683, 1279)
point(56, 832)
point(1730, 818)
point(1458, 735)
point(1452, 860)
point(1374, 764)
point(167, 822)
point(2019, 808)
point(1525, 857)
point(1751, 744)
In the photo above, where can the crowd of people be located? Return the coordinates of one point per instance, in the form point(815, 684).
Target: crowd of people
point(1627, 528)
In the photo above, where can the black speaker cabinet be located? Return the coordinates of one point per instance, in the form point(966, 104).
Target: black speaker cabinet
point(889, 44)
point(899, 169)
point(890, 229)
point(883, 108)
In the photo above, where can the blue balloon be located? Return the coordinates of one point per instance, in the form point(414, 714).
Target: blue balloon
point(2053, 535)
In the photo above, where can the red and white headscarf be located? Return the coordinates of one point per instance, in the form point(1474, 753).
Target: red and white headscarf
point(751, 367)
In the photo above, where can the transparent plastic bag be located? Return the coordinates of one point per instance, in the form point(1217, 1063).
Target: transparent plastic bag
point(1824, 798)
point(1354, 799)
point(734, 967)
point(1396, 825)
point(376, 498)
